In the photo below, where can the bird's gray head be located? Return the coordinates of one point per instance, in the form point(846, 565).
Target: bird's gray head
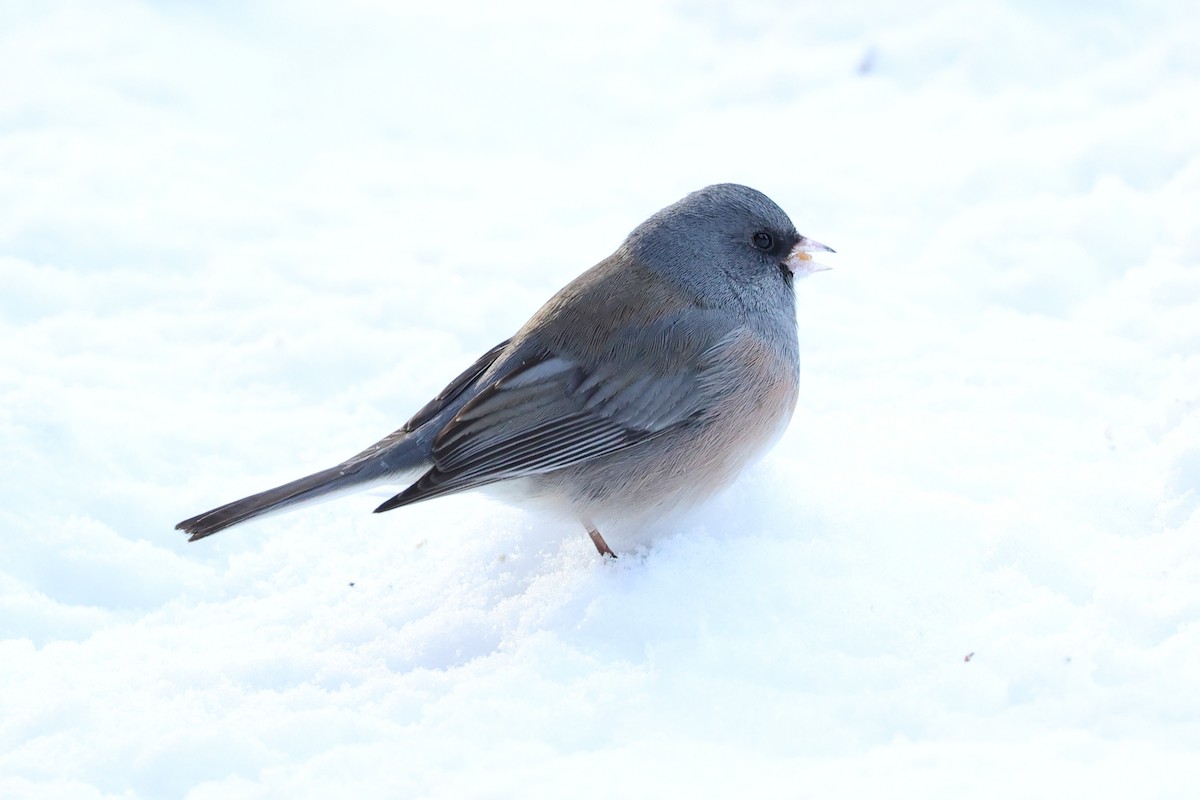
point(727, 244)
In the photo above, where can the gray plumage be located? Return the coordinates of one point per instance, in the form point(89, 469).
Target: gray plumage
point(645, 384)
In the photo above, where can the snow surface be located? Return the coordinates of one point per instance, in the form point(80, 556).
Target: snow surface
point(238, 242)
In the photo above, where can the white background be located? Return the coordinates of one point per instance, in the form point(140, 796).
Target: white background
point(239, 242)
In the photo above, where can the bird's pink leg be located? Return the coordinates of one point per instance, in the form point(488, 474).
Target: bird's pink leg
point(601, 546)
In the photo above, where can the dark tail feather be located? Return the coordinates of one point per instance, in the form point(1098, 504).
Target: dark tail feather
point(311, 487)
point(399, 453)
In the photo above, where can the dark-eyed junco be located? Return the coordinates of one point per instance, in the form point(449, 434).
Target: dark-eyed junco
point(645, 385)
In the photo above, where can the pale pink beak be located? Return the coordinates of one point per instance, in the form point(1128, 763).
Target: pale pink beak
point(800, 262)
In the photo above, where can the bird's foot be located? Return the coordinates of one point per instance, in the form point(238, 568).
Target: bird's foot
point(601, 546)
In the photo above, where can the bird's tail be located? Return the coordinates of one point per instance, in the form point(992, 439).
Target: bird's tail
point(319, 485)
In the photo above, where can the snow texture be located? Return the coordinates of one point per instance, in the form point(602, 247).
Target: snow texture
point(240, 241)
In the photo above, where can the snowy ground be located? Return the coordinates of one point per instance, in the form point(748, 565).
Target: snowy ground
point(239, 242)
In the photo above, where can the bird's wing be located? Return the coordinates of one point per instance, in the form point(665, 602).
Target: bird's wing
point(455, 388)
point(386, 448)
point(548, 411)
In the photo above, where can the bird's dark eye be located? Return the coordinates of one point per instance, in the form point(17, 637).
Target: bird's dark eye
point(762, 240)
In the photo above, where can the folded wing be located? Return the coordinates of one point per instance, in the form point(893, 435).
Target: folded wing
point(549, 411)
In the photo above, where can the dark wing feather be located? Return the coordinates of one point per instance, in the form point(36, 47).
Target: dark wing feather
point(456, 387)
point(386, 447)
point(548, 412)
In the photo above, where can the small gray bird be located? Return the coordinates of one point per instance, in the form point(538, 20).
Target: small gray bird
point(643, 386)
